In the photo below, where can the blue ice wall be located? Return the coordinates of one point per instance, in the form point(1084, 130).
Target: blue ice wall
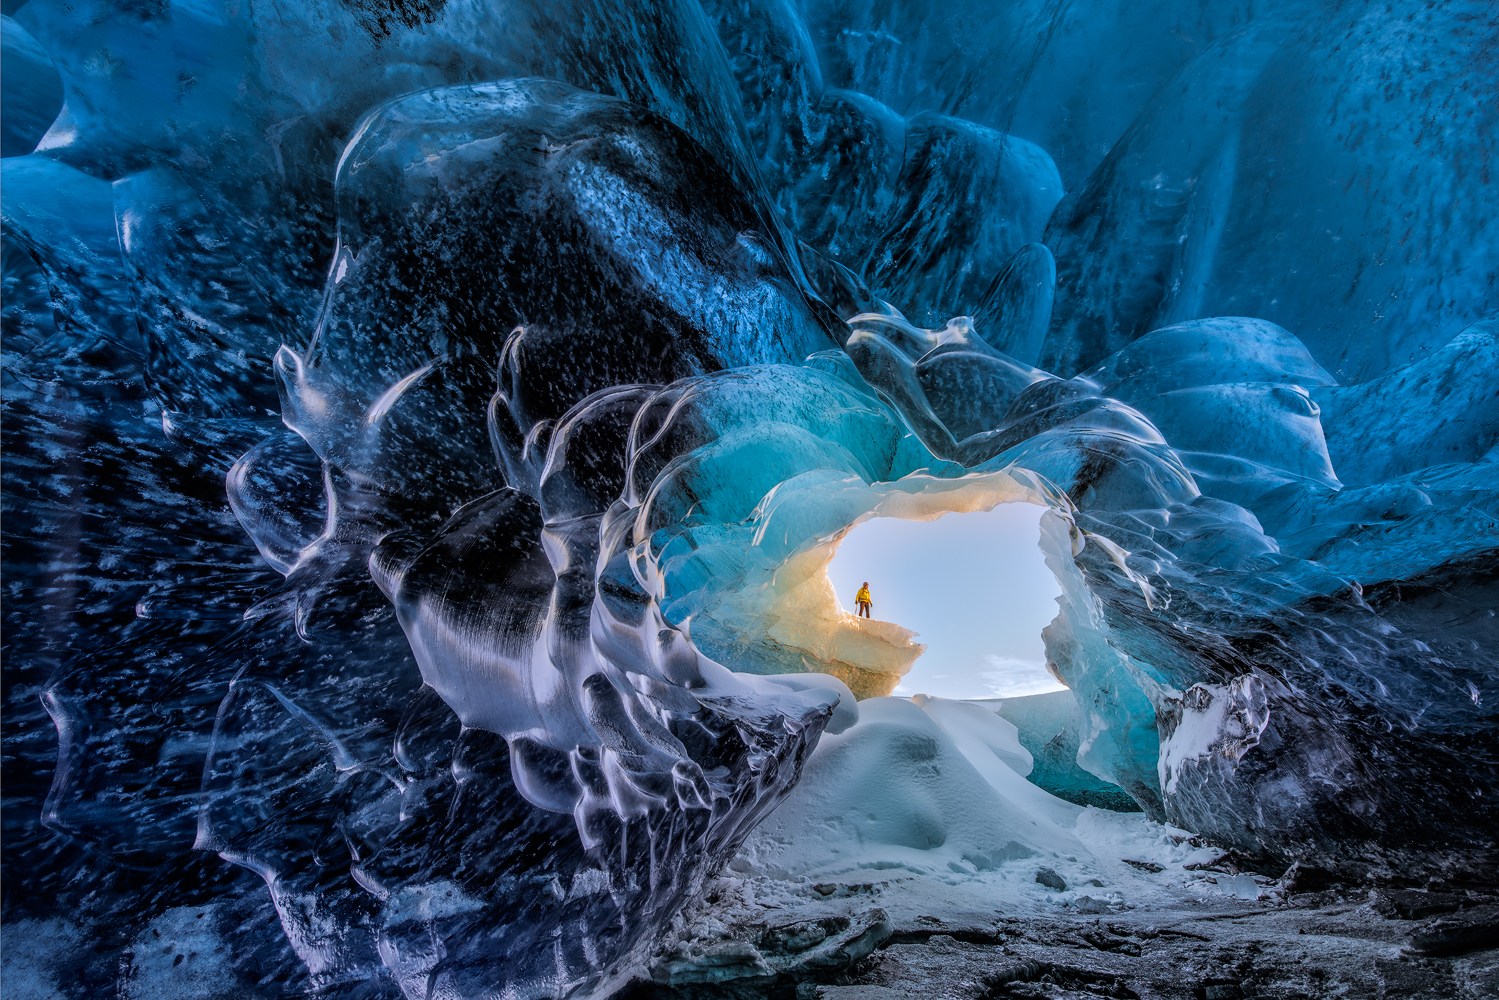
point(392, 391)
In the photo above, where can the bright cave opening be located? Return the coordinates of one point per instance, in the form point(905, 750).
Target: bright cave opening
point(976, 588)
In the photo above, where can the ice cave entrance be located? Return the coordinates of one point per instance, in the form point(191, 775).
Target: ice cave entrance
point(974, 585)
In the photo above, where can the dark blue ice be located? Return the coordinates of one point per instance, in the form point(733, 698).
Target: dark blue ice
point(396, 395)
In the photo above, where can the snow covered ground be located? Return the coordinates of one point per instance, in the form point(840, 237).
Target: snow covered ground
point(914, 859)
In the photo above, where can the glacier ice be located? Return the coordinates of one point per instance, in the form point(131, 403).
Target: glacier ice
point(1049, 727)
point(427, 427)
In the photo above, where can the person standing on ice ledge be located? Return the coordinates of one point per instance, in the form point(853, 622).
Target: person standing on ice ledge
point(863, 601)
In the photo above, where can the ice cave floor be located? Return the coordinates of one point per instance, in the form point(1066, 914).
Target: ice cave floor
point(990, 937)
point(914, 860)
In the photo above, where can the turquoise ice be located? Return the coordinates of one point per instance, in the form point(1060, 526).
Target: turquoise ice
point(427, 427)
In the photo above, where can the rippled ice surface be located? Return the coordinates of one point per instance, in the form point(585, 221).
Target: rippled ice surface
point(427, 427)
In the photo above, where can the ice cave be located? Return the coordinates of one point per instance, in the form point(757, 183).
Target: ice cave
point(429, 429)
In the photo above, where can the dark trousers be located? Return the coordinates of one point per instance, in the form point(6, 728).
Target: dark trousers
point(864, 609)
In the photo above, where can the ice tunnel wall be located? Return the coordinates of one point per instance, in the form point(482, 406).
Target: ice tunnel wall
point(425, 427)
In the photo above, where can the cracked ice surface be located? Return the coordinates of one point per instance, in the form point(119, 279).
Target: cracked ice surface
point(427, 428)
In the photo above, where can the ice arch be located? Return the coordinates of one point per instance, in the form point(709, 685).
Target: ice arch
point(785, 614)
point(570, 372)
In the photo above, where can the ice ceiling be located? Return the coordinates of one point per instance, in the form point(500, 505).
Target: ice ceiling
point(426, 427)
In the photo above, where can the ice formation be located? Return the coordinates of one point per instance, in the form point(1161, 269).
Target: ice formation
point(427, 426)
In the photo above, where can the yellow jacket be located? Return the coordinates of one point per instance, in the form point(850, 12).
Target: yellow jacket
point(862, 597)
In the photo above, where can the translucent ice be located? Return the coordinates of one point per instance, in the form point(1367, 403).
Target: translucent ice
point(427, 427)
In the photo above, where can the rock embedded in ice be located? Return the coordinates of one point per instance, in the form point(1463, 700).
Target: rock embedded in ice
point(1051, 880)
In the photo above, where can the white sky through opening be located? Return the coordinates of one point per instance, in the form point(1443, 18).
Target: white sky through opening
point(976, 588)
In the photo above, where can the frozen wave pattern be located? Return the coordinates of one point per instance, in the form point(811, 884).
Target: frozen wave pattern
point(583, 766)
point(426, 427)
